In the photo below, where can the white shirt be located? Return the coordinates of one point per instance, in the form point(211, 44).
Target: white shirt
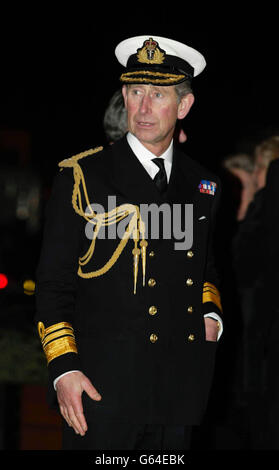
point(145, 157)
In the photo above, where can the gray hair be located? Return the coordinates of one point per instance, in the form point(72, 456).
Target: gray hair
point(183, 89)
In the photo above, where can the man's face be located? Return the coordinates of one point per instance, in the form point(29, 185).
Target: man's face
point(152, 113)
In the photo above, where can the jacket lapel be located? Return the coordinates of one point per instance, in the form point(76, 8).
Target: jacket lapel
point(183, 180)
point(129, 177)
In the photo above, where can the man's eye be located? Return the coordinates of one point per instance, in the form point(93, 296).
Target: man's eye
point(158, 95)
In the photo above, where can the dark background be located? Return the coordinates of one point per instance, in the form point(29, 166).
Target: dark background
point(58, 72)
point(58, 75)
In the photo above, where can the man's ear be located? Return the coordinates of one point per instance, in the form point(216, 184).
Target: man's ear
point(185, 105)
point(124, 93)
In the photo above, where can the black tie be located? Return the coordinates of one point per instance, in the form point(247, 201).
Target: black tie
point(161, 177)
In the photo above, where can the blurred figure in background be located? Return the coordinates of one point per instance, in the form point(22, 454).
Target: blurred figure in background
point(240, 186)
point(267, 173)
point(241, 166)
point(265, 153)
point(249, 257)
point(115, 118)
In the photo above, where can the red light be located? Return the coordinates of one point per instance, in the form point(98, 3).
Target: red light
point(3, 281)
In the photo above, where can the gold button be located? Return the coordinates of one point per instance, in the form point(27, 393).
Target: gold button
point(151, 282)
point(190, 309)
point(189, 282)
point(190, 254)
point(191, 337)
point(152, 254)
point(41, 330)
point(153, 338)
point(152, 310)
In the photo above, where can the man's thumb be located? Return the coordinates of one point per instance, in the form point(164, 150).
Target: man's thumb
point(91, 390)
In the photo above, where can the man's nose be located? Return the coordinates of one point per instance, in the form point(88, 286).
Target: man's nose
point(145, 105)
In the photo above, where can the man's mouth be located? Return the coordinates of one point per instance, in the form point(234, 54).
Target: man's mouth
point(145, 124)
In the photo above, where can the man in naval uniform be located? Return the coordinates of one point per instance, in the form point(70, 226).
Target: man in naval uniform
point(129, 323)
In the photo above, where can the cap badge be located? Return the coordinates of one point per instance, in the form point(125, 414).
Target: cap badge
point(150, 53)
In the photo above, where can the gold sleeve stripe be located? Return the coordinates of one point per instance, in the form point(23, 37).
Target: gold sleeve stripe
point(211, 294)
point(60, 346)
point(57, 339)
point(210, 286)
point(209, 297)
point(57, 334)
point(57, 326)
point(209, 290)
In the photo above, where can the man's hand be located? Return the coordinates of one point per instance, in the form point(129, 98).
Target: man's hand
point(69, 390)
point(211, 329)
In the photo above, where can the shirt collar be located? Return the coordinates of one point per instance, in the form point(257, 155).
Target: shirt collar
point(143, 154)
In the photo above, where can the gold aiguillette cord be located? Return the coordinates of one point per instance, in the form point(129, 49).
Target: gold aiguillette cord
point(140, 229)
point(136, 226)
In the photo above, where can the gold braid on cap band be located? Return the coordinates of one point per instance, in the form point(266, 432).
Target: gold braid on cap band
point(211, 294)
point(135, 227)
point(161, 77)
point(57, 339)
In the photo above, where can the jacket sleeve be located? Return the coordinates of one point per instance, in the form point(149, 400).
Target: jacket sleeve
point(211, 298)
point(57, 278)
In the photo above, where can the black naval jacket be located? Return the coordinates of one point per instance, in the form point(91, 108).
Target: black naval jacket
point(145, 353)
